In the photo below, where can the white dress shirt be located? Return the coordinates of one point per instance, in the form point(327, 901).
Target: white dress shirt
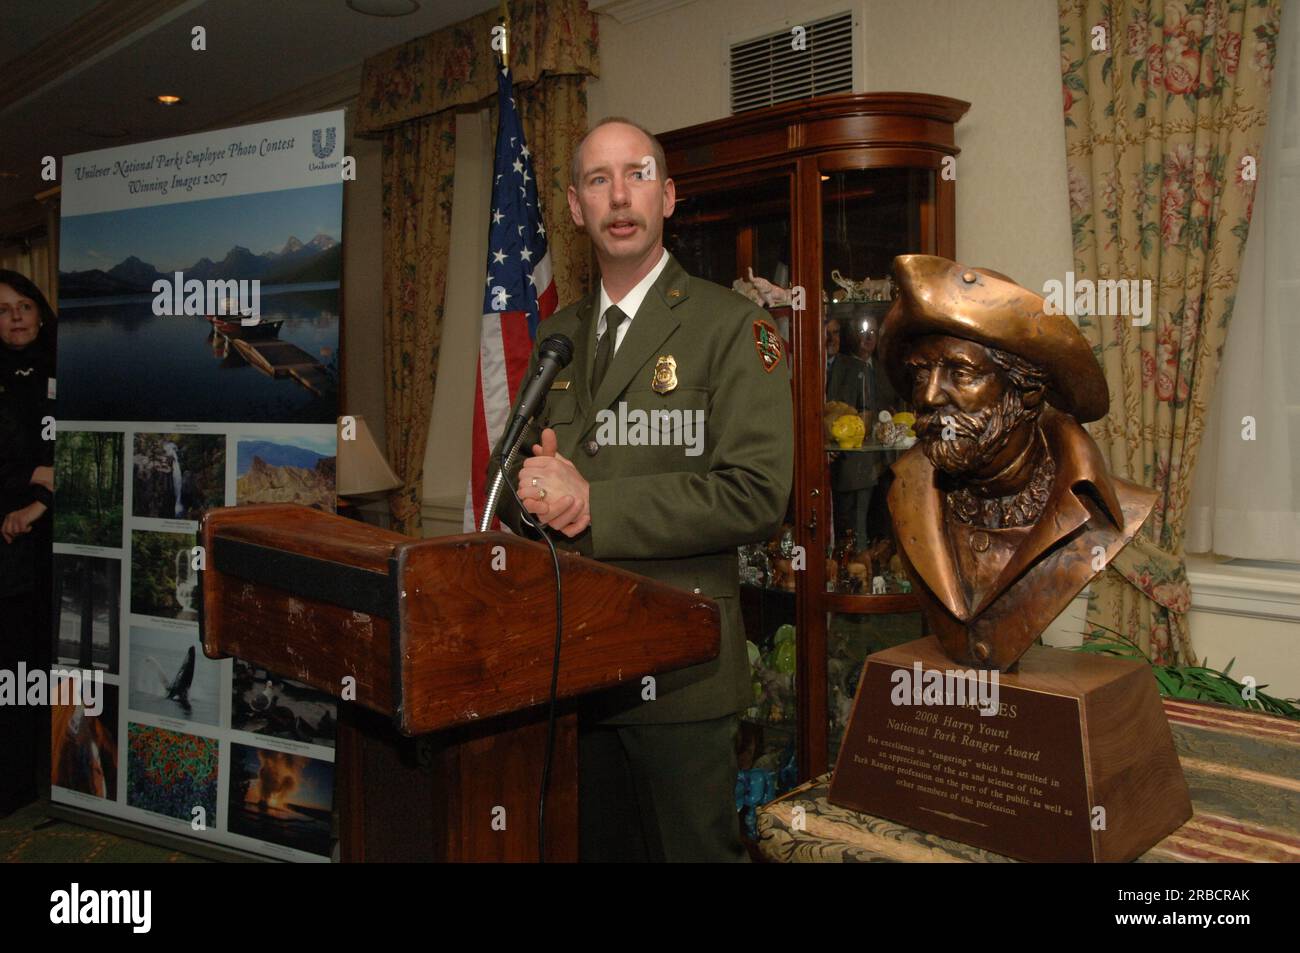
point(630, 303)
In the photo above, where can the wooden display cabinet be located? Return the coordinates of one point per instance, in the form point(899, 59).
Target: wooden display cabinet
point(796, 192)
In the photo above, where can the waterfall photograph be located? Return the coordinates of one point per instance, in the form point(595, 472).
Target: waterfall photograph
point(163, 578)
point(178, 476)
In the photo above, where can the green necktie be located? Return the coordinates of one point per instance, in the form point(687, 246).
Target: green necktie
point(614, 319)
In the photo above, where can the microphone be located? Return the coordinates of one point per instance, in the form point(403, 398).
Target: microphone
point(554, 356)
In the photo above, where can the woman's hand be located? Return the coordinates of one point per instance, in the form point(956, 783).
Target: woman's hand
point(43, 476)
point(20, 521)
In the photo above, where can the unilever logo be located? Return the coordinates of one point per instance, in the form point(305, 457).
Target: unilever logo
point(319, 150)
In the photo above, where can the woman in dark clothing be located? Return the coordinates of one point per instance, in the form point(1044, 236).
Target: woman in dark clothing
point(26, 497)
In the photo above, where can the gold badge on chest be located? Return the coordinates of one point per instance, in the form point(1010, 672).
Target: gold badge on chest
point(665, 377)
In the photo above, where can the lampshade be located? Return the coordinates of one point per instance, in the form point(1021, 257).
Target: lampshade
point(361, 466)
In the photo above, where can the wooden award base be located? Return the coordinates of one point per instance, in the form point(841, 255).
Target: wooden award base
point(1077, 765)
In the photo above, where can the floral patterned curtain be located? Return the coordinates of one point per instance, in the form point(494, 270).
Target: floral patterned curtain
point(419, 171)
point(1165, 112)
point(554, 114)
point(410, 96)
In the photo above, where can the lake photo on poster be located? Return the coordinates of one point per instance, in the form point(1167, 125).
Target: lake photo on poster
point(149, 304)
point(119, 361)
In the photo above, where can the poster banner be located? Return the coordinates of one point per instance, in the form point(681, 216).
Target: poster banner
point(197, 368)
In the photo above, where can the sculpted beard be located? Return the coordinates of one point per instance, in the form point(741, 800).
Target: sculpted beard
point(977, 437)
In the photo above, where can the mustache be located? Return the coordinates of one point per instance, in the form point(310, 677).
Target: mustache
point(963, 424)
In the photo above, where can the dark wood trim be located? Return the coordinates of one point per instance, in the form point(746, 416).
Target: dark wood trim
point(811, 138)
point(850, 604)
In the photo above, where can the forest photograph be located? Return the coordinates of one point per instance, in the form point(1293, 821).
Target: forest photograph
point(178, 476)
point(163, 578)
point(88, 480)
point(87, 611)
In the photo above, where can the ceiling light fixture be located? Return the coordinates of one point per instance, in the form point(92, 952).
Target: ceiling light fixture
point(384, 8)
point(167, 99)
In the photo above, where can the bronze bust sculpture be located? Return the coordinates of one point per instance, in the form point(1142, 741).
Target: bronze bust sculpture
point(1003, 511)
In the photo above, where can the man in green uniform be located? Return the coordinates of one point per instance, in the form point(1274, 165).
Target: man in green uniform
point(671, 499)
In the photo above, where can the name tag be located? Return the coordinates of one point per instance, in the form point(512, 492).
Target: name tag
point(560, 385)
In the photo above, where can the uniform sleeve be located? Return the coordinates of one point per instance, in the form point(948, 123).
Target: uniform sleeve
point(743, 495)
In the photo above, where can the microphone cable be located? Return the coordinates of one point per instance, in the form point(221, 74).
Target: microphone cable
point(527, 519)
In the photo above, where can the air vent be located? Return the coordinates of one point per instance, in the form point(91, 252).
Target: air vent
point(772, 68)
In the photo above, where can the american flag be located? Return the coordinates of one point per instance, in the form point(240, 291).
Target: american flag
point(519, 293)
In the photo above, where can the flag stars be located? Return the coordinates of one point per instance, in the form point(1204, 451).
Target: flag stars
point(499, 256)
point(526, 254)
point(541, 230)
point(497, 216)
point(525, 152)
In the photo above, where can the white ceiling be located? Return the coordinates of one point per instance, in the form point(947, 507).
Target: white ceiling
point(257, 50)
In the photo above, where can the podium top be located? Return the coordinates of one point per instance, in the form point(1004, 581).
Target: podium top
point(432, 632)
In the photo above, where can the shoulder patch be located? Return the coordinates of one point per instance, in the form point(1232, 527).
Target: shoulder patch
point(767, 339)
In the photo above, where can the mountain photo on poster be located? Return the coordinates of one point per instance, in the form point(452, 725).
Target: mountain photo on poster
point(286, 468)
point(150, 300)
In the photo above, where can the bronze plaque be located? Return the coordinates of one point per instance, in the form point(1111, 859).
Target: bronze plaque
point(1013, 783)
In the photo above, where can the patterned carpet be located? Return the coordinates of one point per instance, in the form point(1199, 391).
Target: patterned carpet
point(28, 836)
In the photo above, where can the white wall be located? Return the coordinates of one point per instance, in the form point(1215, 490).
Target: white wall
point(667, 71)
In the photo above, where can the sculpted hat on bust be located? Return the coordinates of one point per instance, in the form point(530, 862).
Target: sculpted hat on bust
point(939, 296)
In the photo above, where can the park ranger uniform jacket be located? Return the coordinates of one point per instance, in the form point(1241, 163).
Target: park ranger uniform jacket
point(655, 510)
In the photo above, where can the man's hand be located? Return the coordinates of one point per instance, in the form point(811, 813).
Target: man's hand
point(20, 521)
point(43, 476)
point(553, 490)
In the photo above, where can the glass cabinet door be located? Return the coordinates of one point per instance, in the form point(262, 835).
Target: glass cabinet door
point(869, 216)
point(724, 232)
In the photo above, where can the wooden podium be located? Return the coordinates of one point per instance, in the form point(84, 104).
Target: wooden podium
point(444, 648)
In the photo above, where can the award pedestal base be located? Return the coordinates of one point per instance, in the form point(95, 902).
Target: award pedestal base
point(1078, 764)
